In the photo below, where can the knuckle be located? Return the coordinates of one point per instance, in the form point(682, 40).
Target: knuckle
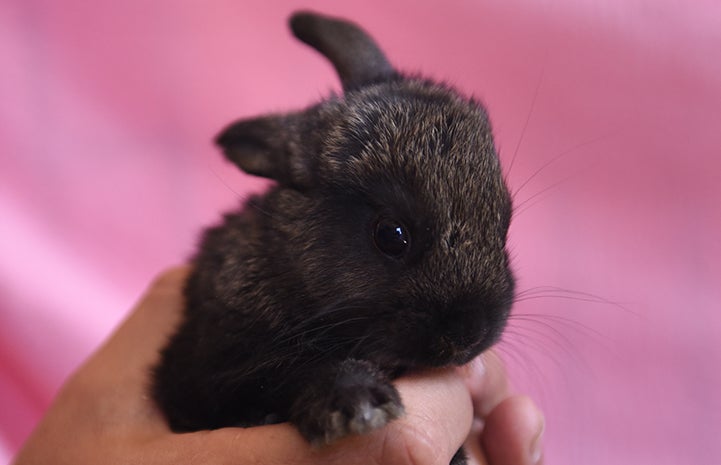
point(412, 444)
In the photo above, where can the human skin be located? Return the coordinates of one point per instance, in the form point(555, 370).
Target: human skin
point(103, 413)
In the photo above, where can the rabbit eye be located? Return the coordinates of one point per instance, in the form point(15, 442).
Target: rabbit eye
point(391, 237)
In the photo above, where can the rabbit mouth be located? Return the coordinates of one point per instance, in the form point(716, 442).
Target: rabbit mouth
point(435, 354)
point(445, 351)
point(450, 354)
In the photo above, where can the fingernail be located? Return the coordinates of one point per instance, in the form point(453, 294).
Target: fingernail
point(537, 444)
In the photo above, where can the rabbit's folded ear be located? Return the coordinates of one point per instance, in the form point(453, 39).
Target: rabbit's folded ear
point(264, 147)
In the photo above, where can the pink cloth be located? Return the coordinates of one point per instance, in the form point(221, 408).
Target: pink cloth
point(107, 175)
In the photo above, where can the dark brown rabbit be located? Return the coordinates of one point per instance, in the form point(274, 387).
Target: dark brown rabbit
point(380, 250)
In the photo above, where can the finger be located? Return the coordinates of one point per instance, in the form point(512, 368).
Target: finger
point(487, 382)
point(437, 420)
point(439, 414)
point(513, 432)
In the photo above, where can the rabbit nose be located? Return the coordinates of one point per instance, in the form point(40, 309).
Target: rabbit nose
point(462, 333)
point(468, 321)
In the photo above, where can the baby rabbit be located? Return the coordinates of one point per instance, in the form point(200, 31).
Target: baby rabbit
point(381, 249)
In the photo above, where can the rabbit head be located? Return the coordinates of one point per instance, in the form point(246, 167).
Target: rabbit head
point(391, 205)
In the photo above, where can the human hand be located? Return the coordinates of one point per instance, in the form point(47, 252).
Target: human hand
point(104, 414)
point(507, 428)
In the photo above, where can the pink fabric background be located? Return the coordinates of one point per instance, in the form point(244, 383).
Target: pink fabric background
point(107, 174)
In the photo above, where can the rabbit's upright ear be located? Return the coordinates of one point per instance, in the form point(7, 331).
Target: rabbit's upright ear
point(265, 146)
point(354, 54)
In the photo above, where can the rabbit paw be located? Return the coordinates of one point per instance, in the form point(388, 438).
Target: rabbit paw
point(360, 400)
point(360, 409)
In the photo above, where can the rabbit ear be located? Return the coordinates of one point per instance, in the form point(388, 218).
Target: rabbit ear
point(354, 54)
point(263, 146)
